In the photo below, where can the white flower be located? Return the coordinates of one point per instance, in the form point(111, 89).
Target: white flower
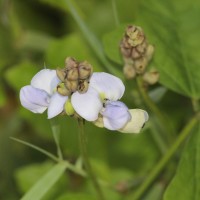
point(102, 97)
point(40, 94)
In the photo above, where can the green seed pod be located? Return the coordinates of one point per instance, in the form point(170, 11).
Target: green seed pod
point(69, 108)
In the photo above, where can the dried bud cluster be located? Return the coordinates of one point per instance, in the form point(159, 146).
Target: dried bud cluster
point(74, 77)
point(136, 52)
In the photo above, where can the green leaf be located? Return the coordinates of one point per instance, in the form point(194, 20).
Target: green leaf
point(76, 196)
point(21, 74)
point(111, 42)
point(2, 96)
point(186, 183)
point(173, 27)
point(46, 182)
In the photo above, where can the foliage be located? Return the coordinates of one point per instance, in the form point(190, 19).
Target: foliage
point(162, 162)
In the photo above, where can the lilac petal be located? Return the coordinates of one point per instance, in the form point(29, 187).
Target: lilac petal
point(34, 99)
point(111, 86)
point(87, 105)
point(46, 80)
point(56, 105)
point(139, 118)
point(115, 115)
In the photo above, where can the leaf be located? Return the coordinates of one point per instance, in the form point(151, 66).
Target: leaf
point(186, 182)
point(76, 196)
point(21, 74)
point(46, 182)
point(111, 42)
point(173, 27)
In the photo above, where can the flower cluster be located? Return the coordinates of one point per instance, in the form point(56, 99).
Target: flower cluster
point(75, 90)
point(137, 53)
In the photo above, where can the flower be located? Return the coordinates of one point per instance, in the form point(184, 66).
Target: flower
point(41, 94)
point(99, 104)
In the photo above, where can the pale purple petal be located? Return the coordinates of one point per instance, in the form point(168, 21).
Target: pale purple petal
point(112, 87)
point(115, 115)
point(87, 105)
point(45, 79)
point(138, 120)
point(34, 99)
point(56, 105)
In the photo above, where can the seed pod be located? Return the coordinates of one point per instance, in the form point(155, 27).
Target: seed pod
point(84, 70)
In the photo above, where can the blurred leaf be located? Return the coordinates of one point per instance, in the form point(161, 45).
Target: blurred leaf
point(61, 4)
point(21, 74)
point(155, 193)
point(2, 96)
point(186, 182)
point(46, 182)
point(76, 196)
point(176, 38)
point(111, 42)
point(71, 45)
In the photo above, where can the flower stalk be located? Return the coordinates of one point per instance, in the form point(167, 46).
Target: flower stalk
point(83, 148)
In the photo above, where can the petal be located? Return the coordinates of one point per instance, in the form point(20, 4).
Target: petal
point(46, 80)
point(111, 86)
point(115, 115)
point(87, 105)
point(56, 105)
point(138, 120)
point(34, 99)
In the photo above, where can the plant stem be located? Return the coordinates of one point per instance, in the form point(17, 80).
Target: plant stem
point(56, 135)
point(159, 116)
point(114, 7)
point(159, 167)
point(83, 148)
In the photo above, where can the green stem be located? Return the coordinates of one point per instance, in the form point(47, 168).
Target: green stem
point(56, 135)
point(195, 105)
point(83, 148)
point(114, 7)
point(159, 116)
point(162, 163)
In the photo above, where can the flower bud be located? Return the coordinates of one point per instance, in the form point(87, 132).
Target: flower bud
point(129, 71)
point(135, 34)
point(83, 86)
point(72, 74)
point(62, 90)
point(71, 85)
point(85, 70)
point(61, 74)
point(70, 62)
point(151, 77)
point(69, 108)
point(140, 65)
point(149, 52)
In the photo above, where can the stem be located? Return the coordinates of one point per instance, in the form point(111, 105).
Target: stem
point(159, 167)
point(82, 140)
point(162, 121)
point(195, 105)
point(56, 135)
point(114, 7)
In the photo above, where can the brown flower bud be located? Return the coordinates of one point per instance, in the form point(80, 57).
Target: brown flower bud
point(62, 90)
point(151, 77)
point(85, 70)
point(141, 48)
point(83, 86)
point(70, 62)
point(140, 65)
point(72, 74)
point(61, 74)
point(71, 85)
point(149, 52)
point(135, 34)
point(129, 71)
